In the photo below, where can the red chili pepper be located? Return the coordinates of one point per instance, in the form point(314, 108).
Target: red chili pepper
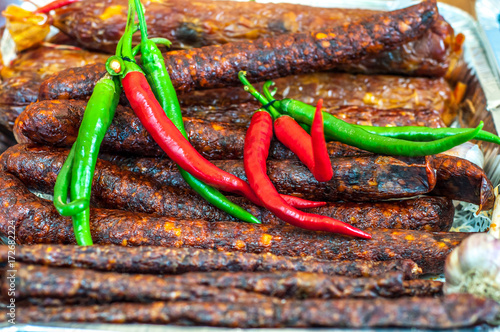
point(54, 5)
point(301, 203)
point(171, 140)
point(323, 170)
point(294, 137)
point(311, 150)
point(257, 143)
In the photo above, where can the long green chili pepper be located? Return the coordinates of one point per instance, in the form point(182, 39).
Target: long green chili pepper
point(163, 89)
point(83, 157)
point(95, 123)
point(408, 133)
point(352, 135)
point(78, 170)
point(61, 189)
point(415, 133)
point(98, 115)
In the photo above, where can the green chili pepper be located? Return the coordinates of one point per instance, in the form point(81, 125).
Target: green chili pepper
point(95, 123)
point(61, 189)
point(409, 133)
point(355, 136)
point(162, 87)
point(78, 170)
point(414, 133)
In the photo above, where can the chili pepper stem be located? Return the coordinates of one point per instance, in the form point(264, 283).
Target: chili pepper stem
point(269, 95)
point(250, 89)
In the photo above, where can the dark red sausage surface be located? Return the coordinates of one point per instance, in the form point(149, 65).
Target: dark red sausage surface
point(269, 58)
point(159, 260)
point(367, 178)
point(201, 23)
point(37, 221)
point(451, 311)
point(104, 287)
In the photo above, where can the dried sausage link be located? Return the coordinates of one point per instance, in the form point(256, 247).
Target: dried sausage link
point(40, 281)
point(195, 24)
point(447, 312)
point(269, 58)
point(355, 179)
point(37, 221)
point(158, 260)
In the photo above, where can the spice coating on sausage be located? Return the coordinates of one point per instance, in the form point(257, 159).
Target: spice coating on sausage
point(15, 94)
point(358, 178)
point(242, 113)
point(116, 188)
point(427, 249)
point(158, 260)
point(24, 75)
point(362, 115)
point(423, 287)
point(41, 281)
point(451, 311)
point(456, 178)
point(273, 57)
point(336, 89)
point(57, 122)
point(194, 24)
point(38, 282)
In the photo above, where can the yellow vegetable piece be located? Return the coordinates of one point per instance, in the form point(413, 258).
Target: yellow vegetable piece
point(26, 28)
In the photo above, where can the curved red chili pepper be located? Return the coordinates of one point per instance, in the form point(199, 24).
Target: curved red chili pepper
point(311, 150)
point(257, 142)
point(301, 203)
point(54, 5)
point(171, 140)
point(294, 137)
point(323, 170)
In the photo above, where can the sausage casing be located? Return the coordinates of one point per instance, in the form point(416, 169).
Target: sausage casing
point(427, 249)
point(201, 23)
point(451, 311)
point(269, 58)
point(158, 260)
